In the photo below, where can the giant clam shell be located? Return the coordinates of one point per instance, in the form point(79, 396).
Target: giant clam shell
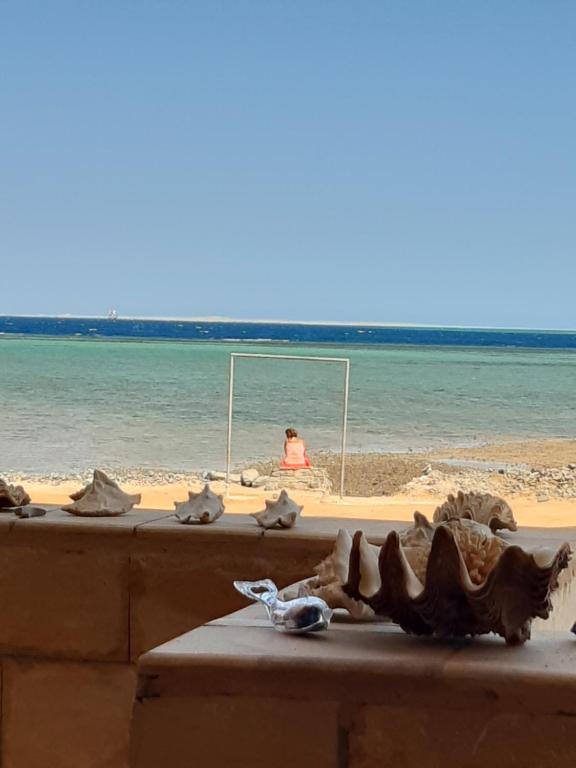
point(473, 582)
point(331, 574)
point(12, 496)
point(101, 498)
point(481, 507)
point(203, 507)
point(282, 513)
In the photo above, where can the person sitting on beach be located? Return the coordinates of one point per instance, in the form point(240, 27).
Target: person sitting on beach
point(294, 452)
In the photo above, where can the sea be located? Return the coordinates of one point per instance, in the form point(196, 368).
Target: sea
point(79, 393)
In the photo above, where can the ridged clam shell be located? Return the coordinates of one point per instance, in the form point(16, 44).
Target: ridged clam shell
point(480, 507)
point(204, 507)
point(514, 586)
point(101, 498)
point(331, 574)
point(282, 513)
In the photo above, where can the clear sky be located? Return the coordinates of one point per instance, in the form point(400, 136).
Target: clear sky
point(376, 160)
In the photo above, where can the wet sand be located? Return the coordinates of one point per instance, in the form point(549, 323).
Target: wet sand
point(536, 453)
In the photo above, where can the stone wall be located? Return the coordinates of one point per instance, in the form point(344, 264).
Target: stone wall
point(82, 598)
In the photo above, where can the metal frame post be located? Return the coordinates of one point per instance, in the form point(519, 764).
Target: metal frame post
point(230, 403)
point(344, 425)
point(306, 358)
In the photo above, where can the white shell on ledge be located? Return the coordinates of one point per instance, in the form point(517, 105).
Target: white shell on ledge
point(101, 498)
point(204, 507)
point(12, 496)
point(282, 513)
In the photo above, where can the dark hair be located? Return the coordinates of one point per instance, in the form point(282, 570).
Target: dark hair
point(291, 433)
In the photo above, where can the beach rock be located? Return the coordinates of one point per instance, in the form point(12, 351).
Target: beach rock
point(101, 498)
point(204, 507)
point(282, 513)
point(214, 476)
point(261, 481)
point(12, 496)
point(249, 476)
point(302, 479)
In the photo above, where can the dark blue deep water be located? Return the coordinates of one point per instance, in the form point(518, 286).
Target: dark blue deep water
point(177, 330)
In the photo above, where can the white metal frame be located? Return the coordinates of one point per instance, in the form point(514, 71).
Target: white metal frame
point(342, 360)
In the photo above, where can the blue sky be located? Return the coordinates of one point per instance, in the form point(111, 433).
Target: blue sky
point(305, 159)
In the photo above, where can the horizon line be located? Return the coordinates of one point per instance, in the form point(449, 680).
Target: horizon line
point(334, 323)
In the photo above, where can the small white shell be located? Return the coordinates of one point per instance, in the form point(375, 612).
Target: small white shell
point(282, 513)
point(12, 496)
point(101, 498)
point(204, 507)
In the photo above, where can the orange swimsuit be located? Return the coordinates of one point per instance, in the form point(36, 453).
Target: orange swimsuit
point(295, 455)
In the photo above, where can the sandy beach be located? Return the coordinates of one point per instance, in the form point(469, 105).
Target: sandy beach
point(528, 511)
point(387, 487)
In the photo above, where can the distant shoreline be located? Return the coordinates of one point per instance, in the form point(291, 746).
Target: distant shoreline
point(327, 323)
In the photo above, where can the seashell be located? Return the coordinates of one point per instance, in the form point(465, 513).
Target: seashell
point(282, 513)
point(101, 498)
point(297, 616)
point(473, 583)
point(203, 507)
point(331, 574)
point(12, 496)
point(481, 507)
point(29, 510)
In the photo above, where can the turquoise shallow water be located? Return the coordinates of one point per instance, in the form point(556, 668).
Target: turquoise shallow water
point(72, 405)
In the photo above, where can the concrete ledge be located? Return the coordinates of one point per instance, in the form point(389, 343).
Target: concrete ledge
point(385, 698)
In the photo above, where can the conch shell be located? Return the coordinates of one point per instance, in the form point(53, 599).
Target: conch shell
point(473, 582)
point(331, 574)
point(12, 496)
point(101, 498)
point(480, 507)
point(203, 507)
point(282, 513)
